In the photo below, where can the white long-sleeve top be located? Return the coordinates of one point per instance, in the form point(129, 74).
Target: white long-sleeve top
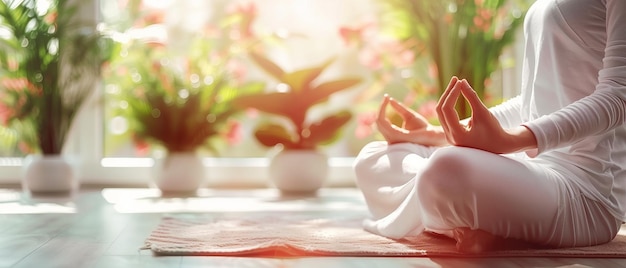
point(573, 95)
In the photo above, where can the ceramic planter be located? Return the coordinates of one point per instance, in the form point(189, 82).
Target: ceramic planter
point(298, 171)
point(49, 174)
point(179, 173)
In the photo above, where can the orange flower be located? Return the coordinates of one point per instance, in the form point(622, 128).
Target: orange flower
point(51, 18)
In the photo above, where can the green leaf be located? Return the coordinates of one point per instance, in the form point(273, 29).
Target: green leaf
point(268, 66)
point(273, 134)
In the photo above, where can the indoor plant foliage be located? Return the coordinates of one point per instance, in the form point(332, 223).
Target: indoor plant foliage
point(301, 93)
point(294, 129)
point(171, 84)
point(179, 103)
point(50, 65)
point(178, 100)
point(461, 37)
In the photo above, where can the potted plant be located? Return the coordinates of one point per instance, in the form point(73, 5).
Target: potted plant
point(300, 166)
point(50, 65)
point(180, 103)
point(461, 38)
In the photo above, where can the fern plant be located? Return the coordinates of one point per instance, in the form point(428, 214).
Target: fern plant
point(173, 102)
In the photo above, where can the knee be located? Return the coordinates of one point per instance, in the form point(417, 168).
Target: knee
point(365, 162)
point(445, 177)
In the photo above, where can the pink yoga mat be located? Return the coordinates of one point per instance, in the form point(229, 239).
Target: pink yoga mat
point(301, 236)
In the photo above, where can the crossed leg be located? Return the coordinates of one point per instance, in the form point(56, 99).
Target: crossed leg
point(464, 192)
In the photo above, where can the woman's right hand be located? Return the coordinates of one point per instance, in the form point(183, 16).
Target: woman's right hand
point(415, 128)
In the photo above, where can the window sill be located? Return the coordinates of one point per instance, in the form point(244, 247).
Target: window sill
point(221, 172)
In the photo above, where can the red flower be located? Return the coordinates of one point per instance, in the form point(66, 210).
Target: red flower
point(142, 148)
point(5, 114)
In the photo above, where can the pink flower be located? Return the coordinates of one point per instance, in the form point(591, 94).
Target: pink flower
point(365, 124)
point(237, 69)
point(252, 113)
point(404, 58)
point(371, 59)
point(14, 84)
point(353, 35)
point(247, 13)
point(433, 71)
point(428, 109)
point(234, 133)
point(20, 85)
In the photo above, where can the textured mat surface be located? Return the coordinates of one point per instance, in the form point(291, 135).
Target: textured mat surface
point(299, 236)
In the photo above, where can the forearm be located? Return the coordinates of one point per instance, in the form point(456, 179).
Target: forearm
point(522, 139)
point(438, 137)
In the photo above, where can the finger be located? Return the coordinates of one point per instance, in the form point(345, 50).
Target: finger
point(449, 113)
point(382, 111)
point(472, 98)
point(446, 92)
point(391, 132)
point(382, 123)
point(443, 97)
point(404, 111)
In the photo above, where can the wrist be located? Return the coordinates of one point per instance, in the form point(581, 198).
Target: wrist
point(523, 139)
point(439, 136)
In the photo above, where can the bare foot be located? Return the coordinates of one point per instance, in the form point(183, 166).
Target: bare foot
point(474, 241)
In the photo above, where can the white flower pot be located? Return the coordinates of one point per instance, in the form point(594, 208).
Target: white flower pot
point(49, 174)
point(299, 171)
point(179, 173)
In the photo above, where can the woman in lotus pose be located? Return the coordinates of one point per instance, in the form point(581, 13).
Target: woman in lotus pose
point(546, 167)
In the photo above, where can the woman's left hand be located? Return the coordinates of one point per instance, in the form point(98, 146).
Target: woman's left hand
point(482, 131)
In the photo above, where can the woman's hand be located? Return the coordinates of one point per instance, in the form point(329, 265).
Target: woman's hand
point(482, 130)
point(415, 128)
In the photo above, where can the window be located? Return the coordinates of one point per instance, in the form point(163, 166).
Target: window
point(299, 34)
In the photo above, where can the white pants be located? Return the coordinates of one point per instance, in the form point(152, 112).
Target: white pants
point(410, 188)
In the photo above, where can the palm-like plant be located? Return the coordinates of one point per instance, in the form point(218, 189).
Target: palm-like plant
point(50, 65)
point(294, 104)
